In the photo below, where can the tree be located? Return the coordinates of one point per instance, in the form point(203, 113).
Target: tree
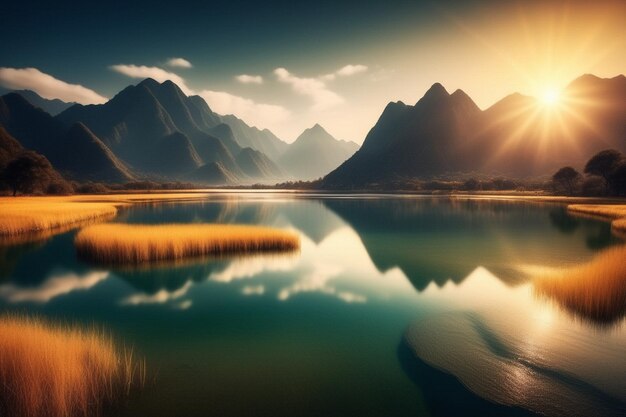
point(28, 172)
point(567, 178)
point(618, 179)
point(602, 164)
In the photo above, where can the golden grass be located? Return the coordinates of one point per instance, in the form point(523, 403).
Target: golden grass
point(24, 219)
point(116, 243)
point(617, 212)
point(51, 370)
point(595, 290)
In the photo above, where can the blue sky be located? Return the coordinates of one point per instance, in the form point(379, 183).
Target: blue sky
point(336, 63)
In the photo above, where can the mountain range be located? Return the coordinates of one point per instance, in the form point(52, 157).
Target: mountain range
point(154, 131)
point(329, 154)
point(54, 106)
point(448, 135)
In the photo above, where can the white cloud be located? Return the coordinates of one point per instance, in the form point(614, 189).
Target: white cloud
point(158, 74)
point(53, 287)
point(162, 296)
point(47, 86)
point(345, 71)
point(257, 114)
point(351, 70)
point(253, 290)
point(249, 79)
point(178, 63)
point(316, 89)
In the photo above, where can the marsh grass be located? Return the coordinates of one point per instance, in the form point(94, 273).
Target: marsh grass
point(595, 290)
point(53, 370)
point(116, 243)
point(23, 218)
point(616, 212)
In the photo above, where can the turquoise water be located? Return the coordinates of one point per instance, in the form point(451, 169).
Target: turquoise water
point(394, 306)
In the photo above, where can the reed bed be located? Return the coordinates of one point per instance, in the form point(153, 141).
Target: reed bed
point(595, 290)
point(116, 243)
point(616, 212)
point(24, 217)
point(51, 370)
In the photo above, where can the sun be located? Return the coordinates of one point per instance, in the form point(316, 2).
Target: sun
point(550, 97)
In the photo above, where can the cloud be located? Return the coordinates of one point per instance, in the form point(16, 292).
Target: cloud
point(345, 71)
point(162, 296)
point(258, 114)
point(178, 63)
point(316, 89)
point(249, 79)
point(351, 70)
point(53, 287)
point(317, 281)
point(47, 86)
point(158, 74)
point(253, 290)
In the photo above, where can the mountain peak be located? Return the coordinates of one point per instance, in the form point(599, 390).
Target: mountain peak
point(461, 98)
point(317, 128)
point(149, 83)
point(436, 90)
point(435, 93)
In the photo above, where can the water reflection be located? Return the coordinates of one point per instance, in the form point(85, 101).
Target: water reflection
point(425, 240)
point(594, 291)
point(438, 239)
point(368, 269)
point(56, 285)
point(510, 348)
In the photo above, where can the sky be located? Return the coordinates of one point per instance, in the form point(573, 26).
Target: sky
point(286, 65)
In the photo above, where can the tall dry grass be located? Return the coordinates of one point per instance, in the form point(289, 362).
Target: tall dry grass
point(617, 212)
point(51, 370)
point(24, 217)
point(115, 243)
point(595, 290)
point(33, 218)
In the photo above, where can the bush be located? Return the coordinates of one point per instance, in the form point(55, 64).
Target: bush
point(593, 186)
point(92, 188)
point(60, 188)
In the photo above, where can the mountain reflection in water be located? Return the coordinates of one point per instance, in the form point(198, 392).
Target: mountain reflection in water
point(450, 280)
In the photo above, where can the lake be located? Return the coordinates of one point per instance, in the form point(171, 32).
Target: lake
point(394, 306)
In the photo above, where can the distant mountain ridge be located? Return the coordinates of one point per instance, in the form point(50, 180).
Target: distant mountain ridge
point(314, 153)
point(54, 106)
point(72, 149)
point(154, 131)
point(447, 134)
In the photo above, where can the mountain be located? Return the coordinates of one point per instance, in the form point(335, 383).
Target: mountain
point(162, 133)
point(252, 137)
point(9, 148)
point(314, 153)
point(256, 164)
point(87, 158)
point(53, 107)
point(41, 173)
point(448, 135)
point(213, 173)
point(72, 150)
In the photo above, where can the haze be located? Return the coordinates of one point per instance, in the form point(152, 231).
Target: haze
point(286, 67)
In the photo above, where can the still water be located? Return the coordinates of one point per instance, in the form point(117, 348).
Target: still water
point(393, 307)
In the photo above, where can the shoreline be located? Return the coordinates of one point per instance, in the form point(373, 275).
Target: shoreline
point(44, 216)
